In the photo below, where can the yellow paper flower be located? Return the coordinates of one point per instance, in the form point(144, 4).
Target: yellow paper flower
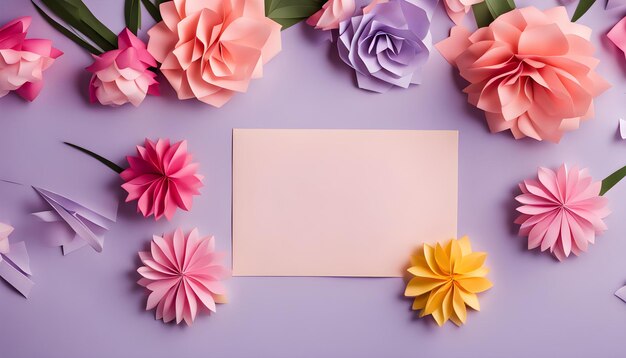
point(447, 279)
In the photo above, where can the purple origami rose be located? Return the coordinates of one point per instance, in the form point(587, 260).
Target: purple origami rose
point(388, 43)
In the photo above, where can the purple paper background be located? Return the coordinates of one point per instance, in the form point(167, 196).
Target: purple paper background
point(88, 305)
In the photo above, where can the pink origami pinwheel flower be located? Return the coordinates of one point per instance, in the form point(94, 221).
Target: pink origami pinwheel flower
point(531, 71)
point(457, 9)
point(22, 61)
point(331, 14)
point(162, 177)
point(184, 275)
point(210, 50)
point(561, 211)
point(123, 76)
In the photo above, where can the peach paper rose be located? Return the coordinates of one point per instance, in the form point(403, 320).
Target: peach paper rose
point(531, 71)
point(331, 14)
point(211, 49)
point(457, 9)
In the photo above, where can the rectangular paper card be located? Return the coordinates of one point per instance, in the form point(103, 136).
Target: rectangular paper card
point(340, 202)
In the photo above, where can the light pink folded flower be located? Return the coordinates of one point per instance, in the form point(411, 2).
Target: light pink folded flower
point(184, 274)
point(123, 76)
point(331, 14)
point(22, 61)
point(457, 9)
point(5, 231)
point(210, 50)
point(162, 177)
point(531, 71)
point(561, 211)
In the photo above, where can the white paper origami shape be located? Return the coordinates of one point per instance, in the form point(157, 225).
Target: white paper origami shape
point(14, 262)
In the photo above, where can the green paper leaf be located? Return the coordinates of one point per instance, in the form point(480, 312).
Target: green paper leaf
point(116, 168)
point(612, 179)
point(482, 14)
point(67, 32)
point(489, 10)
point(153, 9)
point(290, 12)
point(582, 8)
point(132, 15)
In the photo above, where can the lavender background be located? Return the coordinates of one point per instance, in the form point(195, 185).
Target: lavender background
point(88, 305)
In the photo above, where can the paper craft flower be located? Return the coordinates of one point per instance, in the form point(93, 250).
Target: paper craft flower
point(447, 279)
point(331, 14)
point(211, 49)
point(183, 273)
point(5, 231)
point(22, 61)
point(162, 178)
point(457, 9)
point(123, 76)
point(561, 211)
point(531, 71)
point(617, 35)
point(386, 45)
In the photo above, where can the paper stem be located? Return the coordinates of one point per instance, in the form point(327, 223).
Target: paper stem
point(116, 168)
point(612, 179)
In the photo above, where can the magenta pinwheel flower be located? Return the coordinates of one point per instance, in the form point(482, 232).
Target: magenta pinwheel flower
point(183, 273)
point(162, 178)
point(561, 211)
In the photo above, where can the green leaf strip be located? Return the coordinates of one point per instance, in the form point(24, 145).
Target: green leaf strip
point(290, 12)
point(152, 9)
point(581, 9)
point(482, 14)
point(612, 179)
point(132, 15)
point(116, 168)
point(489, 10)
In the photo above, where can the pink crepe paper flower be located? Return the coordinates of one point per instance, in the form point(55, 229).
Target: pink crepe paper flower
point(162, 177)
point(210, 50)
point(531, 71)
point(561, 211)
point(5, 231)
point(22, 61)
point(122, 76)
point(457, 9)
point(331, 14)
point(184, 276)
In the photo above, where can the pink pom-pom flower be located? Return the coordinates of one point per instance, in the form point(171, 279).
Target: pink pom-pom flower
point(183, 273)
point(561, 211)
point(22, 61)
point(162, 178)
point(123, 75)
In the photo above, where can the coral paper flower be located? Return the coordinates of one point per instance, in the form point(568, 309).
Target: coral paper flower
point(123, 76)
point(162, 177)
point(457, 9)
point(331, 14)
point(5, 231)
point(447, 279)
point(561, 211)
point(531, 71)
point(210, 50)
point(22, 61)
point(183, 273)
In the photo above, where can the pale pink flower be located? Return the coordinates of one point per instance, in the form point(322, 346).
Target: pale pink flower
point(184, 274)
point(457, 9)
point(162, 178)
point(5, 231)
point(331, 14)
point(531, 71)
point(22, 61)
point(210, 50)
point(123, 76)
point(561, 211)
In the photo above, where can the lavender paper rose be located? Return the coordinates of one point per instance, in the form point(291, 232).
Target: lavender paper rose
point(388, 43)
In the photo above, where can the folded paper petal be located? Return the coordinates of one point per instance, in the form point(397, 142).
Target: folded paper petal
point(331, 14)
point(561, 211)
point(23, 61)
point(456, 9)
point(531, 71)
point(446, 280)
point(614, 4)
point(184, 274)
point(14, 262)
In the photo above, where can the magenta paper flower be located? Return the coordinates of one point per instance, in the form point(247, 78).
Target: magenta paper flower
point(162, 178)
point(184, 275)
point(22, 61)
point(123, 76)
point(561, 211)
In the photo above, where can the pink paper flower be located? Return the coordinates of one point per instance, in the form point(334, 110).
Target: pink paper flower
point(122, 76)
point(22, 61)
point(184, 275)
point(331, 14)
point(162, 177)
point(561, 211)
point(457, 9)
point(531, 71)
point(5, 231)
point(210, 50)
